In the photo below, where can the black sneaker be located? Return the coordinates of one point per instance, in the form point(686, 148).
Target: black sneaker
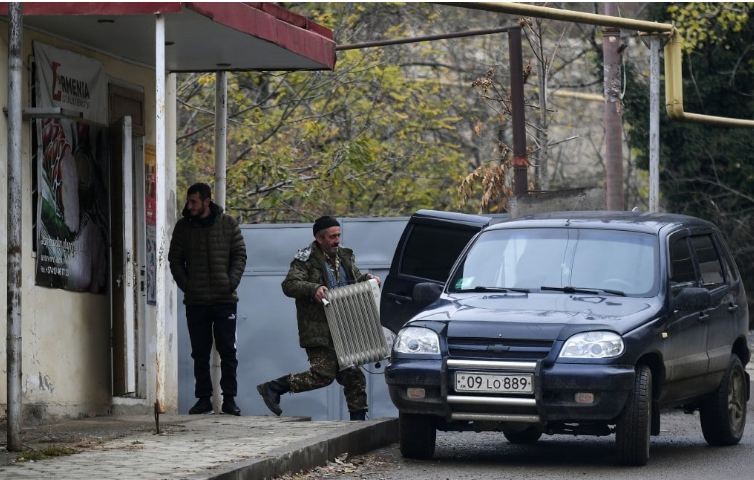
point(203, 405)
point(230, 407)
point(358, 415)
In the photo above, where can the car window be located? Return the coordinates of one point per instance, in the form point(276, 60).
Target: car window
point(682, 273)
point(431, 251)
point(532, 258)
point(710, 267)
point(731, 273)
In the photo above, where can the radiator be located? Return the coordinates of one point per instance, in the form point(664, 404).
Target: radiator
point(353, 315)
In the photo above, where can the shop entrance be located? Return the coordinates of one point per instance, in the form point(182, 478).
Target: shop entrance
point(128, 310)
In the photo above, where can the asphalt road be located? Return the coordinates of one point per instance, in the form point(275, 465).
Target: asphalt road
point(680, 452)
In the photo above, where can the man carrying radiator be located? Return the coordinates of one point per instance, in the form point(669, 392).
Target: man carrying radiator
point(323, 264)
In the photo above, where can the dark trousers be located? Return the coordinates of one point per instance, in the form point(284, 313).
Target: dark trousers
point(324, 369)
point(202, 320)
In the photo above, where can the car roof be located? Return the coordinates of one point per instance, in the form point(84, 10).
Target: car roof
point(617, 220)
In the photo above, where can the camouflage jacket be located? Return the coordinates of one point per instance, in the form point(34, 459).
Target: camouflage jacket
point(305, 275)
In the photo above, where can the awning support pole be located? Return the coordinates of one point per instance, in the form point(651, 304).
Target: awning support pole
point(221, 136)
point(161, 227)
point(13, 337)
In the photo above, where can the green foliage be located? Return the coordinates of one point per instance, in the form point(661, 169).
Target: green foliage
point(706, 171)
point(366, 139)
point(704, 23)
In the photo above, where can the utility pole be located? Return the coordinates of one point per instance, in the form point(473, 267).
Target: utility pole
point(611, 49)
point(520, 161)
point(13, 335)
point(654, 123)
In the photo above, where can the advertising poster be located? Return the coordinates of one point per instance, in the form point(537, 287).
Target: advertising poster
point(150, 201)
point(73, 201)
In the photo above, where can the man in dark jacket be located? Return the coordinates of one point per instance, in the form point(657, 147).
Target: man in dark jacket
point(321, 265)
point(207, 259)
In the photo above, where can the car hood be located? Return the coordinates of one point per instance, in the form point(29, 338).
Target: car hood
point(543, 316)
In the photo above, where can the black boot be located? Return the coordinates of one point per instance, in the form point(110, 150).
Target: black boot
point(230, 407)
point(203, 405)
point(358, 415)
point(271, 392)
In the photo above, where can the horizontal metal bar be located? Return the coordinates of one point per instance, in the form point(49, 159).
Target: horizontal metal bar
point(493, 365)
point(566, 15)
point(426, 38)
point(496, 401)
point(29, 113)
point(495, 417)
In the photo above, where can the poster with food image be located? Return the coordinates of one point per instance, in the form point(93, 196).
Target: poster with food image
point(72, 208)
point(72, 172)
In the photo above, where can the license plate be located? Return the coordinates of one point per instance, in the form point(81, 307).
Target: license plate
point(485, 382)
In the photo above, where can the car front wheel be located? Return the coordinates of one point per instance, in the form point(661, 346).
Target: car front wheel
point(723, 416)
point(417, 435)
point(635, 422)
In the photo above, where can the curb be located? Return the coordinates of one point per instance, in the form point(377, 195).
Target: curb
point(305, 455)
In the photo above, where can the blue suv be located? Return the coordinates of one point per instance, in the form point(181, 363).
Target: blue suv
point(585, 323)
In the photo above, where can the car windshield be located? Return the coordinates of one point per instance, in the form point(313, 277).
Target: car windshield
point(572, 260)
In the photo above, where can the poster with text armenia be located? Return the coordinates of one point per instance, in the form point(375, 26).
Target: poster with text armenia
point(72, 172)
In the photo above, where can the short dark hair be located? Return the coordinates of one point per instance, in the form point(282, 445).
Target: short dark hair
point(202, 189)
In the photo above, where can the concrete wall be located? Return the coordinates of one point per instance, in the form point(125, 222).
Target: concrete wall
point(558, 201)
point(66, 335)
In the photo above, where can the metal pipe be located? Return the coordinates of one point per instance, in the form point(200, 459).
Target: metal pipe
point(425, 38)
point(674, 91)
point(567, 15)
point(161, 227)
point(673, 56)
point(654, 124)
point(612, 113)
point(221, 137)
point(13, 336)
point(518, 115)
point(589, 97)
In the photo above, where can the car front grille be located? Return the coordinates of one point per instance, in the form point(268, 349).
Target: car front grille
point(498, 349)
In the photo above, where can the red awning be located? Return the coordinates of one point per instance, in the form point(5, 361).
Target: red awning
point(199, 36)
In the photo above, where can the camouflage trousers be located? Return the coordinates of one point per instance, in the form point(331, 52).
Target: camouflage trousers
point(324, 369)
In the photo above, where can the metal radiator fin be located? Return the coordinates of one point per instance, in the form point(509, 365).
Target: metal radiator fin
point(353, 315)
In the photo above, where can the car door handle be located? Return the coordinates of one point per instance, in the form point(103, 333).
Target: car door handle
point(400, 298)
point(732, 307)
point(703, 316)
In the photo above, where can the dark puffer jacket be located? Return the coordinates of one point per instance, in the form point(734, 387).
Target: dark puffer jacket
point(207, 257)
point(305, 276)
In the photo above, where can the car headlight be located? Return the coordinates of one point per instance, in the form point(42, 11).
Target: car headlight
point(593, 345)
point(417, 340)
point(389, 337)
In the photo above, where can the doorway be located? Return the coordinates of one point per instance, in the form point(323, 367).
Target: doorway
point(128, 309)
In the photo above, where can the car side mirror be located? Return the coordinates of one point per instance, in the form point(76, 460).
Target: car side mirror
point(425, 293)
point(691, 299)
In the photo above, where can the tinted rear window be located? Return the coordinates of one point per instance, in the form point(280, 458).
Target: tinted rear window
point(431, 251)
point(709, 261)
point(682, 271)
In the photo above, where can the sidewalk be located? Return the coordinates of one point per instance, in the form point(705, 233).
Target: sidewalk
point(191, 447)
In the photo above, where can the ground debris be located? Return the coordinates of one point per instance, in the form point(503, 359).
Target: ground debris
point(342, 465)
